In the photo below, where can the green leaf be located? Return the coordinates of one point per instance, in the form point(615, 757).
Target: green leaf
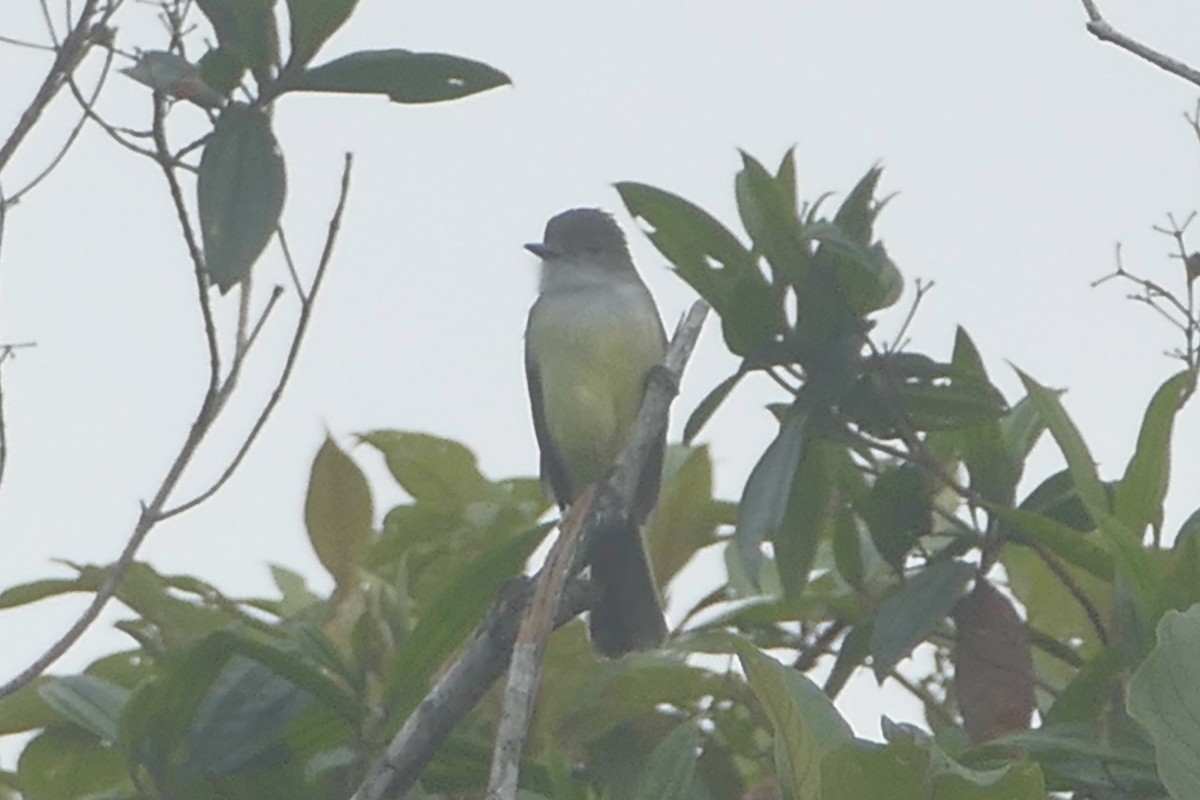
point(26, 710)
point(712, 261)
point(338, 512)
point(1021, 428)
point(246, 29)
point(807, 521)
point(908, 616)
point(686, 517)
point(806, 726)
point(452, 614)
point(1085, 699)
point(1163, 698)
point(709, 405)
point(768, 490)
point(1139, 495)
point(65, 764)
point(431, 469)
point(402, 75)
point(243, 715)
point(898, 511)
point(240, 192)
point(994, 474)
point(91, 703)
point(32, 592)
point(854, 772)
point(293, 589)
point(785, 176)
point(312, 22)
point(221, 70)
point(1145, 579)
point(855, 648)
point(1073, 546)
point(671, 770)
point(769, 217)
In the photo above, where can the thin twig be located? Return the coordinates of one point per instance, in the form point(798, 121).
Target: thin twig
point(193, 247)
point(306, 308)
point(72, 50)
point(1099, 27)
point(291, 264)
point(71, 137)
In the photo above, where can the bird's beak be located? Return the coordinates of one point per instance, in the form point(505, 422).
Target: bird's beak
point(540, 250)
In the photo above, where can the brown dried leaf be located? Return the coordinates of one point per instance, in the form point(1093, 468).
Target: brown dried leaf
point(993, 665)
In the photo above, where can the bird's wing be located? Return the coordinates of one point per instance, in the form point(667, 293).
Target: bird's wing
point(554, 475)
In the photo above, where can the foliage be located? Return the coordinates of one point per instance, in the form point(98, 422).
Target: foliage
point(886, 516)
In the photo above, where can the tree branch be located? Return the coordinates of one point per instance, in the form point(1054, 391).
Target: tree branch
point(153, 513)
point(1099, 27)
point(484, 657)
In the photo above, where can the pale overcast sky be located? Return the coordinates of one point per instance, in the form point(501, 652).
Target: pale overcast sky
point(1022, 150)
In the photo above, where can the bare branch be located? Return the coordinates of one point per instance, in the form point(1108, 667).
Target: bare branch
point(1099, 27)
point(72, 50)
point(189, 236)
point(306, 309)
point(152, 513)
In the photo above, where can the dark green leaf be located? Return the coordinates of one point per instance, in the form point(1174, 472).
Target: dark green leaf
point(1163, 698)
point(994, 473)
point(240, 192)
point(847, 547)
point(312, 23)
point(712, 260)
point(338, 512)
point(1086, 698)
point(767, 492)
point(246, 29)
point(855, 648)
point(907, 617)
point(708, 406)
point(221, 70)
point(785, 176)
point(806, 522)
point(451, 615)
point(402, 75)
point(898, 511)
point(243, 715)
point(1140, 493)
point(671, 769)
point(91, 703)
point(769, 217)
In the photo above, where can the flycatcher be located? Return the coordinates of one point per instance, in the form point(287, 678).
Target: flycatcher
point(593, 335)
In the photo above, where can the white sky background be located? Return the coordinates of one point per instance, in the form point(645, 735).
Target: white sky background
point(1022, 149)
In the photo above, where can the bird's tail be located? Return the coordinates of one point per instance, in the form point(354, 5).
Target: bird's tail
point(628, 615)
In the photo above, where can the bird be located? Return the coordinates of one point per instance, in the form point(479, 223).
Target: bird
point(593, 335)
